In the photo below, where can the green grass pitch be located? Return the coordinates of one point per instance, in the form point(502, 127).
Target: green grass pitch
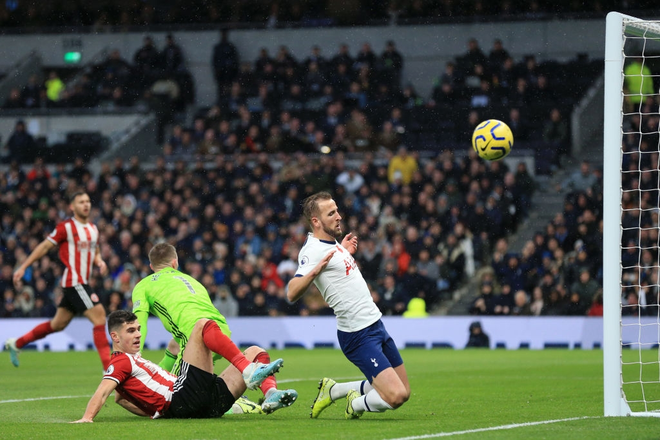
point(462, 393)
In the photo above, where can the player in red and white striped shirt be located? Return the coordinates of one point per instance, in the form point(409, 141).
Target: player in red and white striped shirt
point(145, 389)
point(77, 239)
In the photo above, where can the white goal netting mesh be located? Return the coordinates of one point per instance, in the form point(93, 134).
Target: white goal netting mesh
point(640, 216)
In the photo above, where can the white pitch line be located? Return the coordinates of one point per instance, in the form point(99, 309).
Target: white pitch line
point(42, 398)
point(493, 428)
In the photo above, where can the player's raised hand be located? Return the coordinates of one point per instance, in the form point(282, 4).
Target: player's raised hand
point(18, 275)
point(103, 268)
point(350, 242)
point(324, 262)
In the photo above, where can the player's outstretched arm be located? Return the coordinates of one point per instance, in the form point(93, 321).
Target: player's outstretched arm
point(143, 319)
point(42, 249)
point(298, 286)
point(97, 401)
point(350, 242)
point(128, 405)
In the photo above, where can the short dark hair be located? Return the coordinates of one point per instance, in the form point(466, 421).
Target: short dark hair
point(73, 196)
point(118, 318)
point(311, 205)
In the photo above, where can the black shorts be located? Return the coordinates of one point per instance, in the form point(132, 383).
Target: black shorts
point(199, 394)
point(78, 299)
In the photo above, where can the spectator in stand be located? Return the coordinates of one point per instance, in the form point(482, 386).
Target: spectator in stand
point(343, 57)
point(518, 125)
point(225, 302)
point(316, 57)
point(388, 138)
point(596, 308)
point(504, 301)
point(519, 95)
point(394, 297)
point(521, 305)
point(473, 57)
point(555, 134)
point(116, 66)
point(554, 305)
point(391, 66)
point(225, 62)
point(147, 62)
point(365, 57)
point(401, 167)
point(498, 55)
point(537, 304)
point(32, 92)
point(20, 144)
point(477, 339)
point(582, 180)
point(54, 87)
point(585, 287)
point(14, 100)
point(638, 80)
point(484, 304)
point(351, 180)
point(172, 56)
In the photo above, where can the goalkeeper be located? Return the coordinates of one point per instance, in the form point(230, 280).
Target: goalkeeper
point(179, 301)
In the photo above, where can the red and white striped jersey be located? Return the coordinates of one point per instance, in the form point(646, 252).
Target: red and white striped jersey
point(77, 242)
point(142, 382)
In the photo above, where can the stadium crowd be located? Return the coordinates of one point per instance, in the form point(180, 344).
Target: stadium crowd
point(425, 224)
point(227, 190)
point(128, 13)
point(156, 77)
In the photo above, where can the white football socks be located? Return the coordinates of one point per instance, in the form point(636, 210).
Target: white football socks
point(371, 402)
point(340, 390)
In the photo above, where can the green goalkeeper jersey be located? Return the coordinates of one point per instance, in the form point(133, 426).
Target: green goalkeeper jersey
point(178, 300)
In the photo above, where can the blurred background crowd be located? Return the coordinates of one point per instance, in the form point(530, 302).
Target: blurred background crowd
point(227, 187)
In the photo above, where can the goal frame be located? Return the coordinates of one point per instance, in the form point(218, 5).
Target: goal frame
point(614, 400)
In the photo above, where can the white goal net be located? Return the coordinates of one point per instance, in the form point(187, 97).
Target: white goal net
point(631, 323)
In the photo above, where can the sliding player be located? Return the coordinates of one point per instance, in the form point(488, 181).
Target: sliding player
point(145, 389)
point(180, 302)
point(361, 333)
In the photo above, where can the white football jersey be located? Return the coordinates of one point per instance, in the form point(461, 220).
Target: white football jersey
point(340, 283)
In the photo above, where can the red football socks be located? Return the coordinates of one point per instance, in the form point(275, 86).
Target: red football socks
point(39, 332)
point(102, 345)
point(219, 343)
point(269, 382)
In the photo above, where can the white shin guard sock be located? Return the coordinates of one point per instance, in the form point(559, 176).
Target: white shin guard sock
point(340, 390)
point(371, 402)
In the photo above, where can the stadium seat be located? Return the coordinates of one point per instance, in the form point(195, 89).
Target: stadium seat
point(556, 345)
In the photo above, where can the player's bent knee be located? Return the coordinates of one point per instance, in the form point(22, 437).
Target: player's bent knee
point(58, 326)
point(199, 325)
point(252, 352)
point(397, 397)
point(400, 398)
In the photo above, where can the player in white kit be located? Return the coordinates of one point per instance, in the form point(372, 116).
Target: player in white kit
point(361, 334)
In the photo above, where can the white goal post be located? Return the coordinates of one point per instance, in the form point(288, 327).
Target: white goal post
point(631, 365)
